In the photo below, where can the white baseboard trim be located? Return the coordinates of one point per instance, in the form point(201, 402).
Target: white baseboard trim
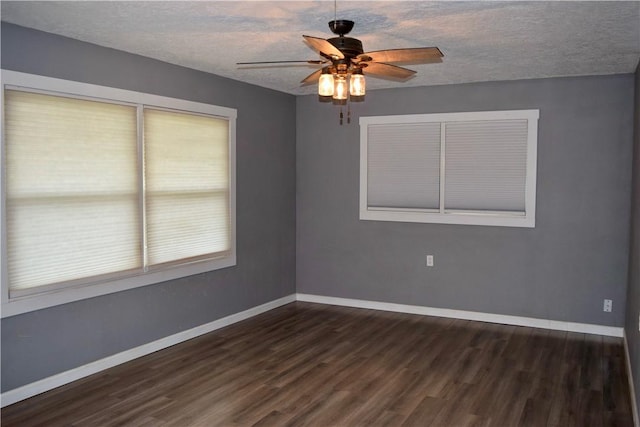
point(466, 315)
point(46, 384)
point(632, 389)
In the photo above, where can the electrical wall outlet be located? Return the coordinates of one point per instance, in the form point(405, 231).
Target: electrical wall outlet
point(429, 260)
point(608, 306)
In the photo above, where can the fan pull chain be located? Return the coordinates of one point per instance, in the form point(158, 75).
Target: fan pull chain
point(341, 116)
point(348, 112)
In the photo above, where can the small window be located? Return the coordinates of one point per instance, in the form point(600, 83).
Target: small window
point(106, 190)
point(456, 168)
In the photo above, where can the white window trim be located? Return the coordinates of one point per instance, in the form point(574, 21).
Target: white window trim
point(18, 305)
point(448, 216)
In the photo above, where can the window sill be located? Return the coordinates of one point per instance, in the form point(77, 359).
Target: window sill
point(27, 303)
point(497, 219)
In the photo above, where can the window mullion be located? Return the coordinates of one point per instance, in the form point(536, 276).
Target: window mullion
point(142, 188)
point(4, 282)
point(442, 163)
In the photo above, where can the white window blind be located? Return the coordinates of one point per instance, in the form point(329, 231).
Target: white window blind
point(187, 185)
point(486, 165)
point(452, 168)
point(106, 190)
point(71, 189)
point(403, 166)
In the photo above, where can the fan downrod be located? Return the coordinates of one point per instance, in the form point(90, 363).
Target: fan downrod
point(341, 26)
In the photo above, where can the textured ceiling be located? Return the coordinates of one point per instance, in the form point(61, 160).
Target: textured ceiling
point(481, 41)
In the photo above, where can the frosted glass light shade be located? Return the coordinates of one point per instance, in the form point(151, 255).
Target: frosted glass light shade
point(325, 85)
point(340, 89)
point(357, 86)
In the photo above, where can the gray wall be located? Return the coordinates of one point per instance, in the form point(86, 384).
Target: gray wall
point(42, 343)
point(633, 291)
point(562, 270)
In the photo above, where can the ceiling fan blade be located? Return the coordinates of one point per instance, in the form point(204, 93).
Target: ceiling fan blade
point(388, 70)
point(307, 61)
point(416, 55)
point(311, 78)
point(324, 47)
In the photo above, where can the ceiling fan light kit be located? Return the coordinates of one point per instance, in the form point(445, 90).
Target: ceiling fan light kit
point(343, 79)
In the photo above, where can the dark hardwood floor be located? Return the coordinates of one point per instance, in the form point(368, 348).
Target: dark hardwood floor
point(306, 364)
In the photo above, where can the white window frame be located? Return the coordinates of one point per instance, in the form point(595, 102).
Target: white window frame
point(448, 216)
point(51, 297)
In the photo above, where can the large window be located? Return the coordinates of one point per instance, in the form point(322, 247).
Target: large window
point(455, 168)
point(104, 190)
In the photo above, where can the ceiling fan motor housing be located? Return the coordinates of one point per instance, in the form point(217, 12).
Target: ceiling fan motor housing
point(350, 47)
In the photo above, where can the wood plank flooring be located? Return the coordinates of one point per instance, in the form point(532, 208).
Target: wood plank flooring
point(314, 365)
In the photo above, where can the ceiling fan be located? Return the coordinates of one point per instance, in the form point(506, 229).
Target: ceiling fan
point(345, 63)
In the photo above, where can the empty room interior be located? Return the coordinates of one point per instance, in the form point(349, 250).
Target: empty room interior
point(327, 213)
